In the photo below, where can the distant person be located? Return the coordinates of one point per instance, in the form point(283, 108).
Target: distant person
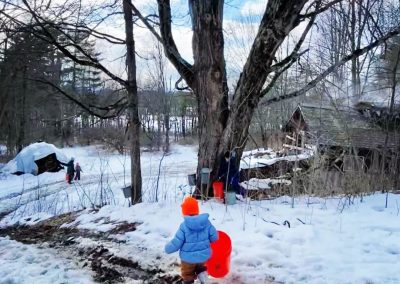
point(78, 171)
point(70, 170)
point(193, 240)
point(229, 174)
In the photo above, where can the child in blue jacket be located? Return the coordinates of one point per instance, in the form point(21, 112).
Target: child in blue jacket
point(193, 240)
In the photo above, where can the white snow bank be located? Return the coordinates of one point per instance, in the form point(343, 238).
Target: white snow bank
point(25, 160)
point(20, 263)
point(259, 151)
point(255, 183)
point(269, 158)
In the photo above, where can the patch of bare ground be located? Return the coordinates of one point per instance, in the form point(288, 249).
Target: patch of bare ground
point(106, 266)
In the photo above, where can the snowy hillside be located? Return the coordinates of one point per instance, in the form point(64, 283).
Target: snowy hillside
point(322, 240)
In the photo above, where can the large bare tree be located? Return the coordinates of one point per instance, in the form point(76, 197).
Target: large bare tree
point(223, 127)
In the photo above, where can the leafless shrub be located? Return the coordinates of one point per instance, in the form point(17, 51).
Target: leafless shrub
point(188, 140)
point(112, 138)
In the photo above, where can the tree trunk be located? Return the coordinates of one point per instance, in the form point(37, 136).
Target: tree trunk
point(193, 124)
point(183, 126)
point(355, 73)
point(21, 111)
point(133, 114)
point(166, 124)
point(279, 19)
point(210, 84)
point(175, 131)
point(219, 129)
point(158, 131)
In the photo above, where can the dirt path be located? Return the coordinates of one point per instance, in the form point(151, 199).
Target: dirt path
point(106, 265)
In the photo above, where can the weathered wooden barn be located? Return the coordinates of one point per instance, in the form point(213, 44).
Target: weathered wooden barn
point(354, 152)
point(349, 137)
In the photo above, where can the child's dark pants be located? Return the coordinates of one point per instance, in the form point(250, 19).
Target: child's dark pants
point(189, 271)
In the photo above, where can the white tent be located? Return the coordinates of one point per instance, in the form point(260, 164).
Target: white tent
point(25, 161)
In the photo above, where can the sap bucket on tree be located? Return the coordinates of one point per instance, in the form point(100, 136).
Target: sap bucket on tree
point(127, 191)
point(220, 262)
point(218, 188)
point(205, 175)
point(192, 179)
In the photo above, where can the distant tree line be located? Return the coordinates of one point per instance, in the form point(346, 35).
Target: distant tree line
point(32, 110)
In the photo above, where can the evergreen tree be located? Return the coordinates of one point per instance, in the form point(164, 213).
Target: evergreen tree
point(84, 82)
point(31, 109)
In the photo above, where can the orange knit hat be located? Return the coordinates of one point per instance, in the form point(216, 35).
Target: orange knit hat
point(190, 206)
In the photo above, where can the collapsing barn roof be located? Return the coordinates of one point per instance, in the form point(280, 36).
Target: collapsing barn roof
point(344, 127)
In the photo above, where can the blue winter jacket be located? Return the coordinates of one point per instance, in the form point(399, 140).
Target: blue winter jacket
point(193, 239)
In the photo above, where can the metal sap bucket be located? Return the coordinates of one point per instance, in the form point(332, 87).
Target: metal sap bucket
point(127, 191)
point(230, 198)
point(205, 175)
point(192, 179)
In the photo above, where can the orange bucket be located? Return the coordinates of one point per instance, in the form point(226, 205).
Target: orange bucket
point(218, 187)
point(219, 264)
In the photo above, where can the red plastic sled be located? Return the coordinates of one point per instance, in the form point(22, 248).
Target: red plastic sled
point(219, 264)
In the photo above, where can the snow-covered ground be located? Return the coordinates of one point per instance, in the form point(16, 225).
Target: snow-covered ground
point(328, 241)
point(27, 264)
point(103, 177)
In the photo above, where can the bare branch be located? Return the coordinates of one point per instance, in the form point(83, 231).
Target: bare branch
point(356, 53)
point(279, 73)
point(48, 37)
point(295, 55)
point(371, 17)
point(183, 67)
point(320, 10)
point(180, 88)
point(118, 106)
point(150, 20)
point(86, 29)
point(145, 21)
point(269, 37)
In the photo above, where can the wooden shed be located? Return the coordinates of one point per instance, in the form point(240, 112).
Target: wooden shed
point(343, 132)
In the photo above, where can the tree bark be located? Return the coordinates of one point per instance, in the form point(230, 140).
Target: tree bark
point(354, 81)
point(210, 85)
point(183, 126)
point(166, 124)
point(21, 113)
point(134, 122)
